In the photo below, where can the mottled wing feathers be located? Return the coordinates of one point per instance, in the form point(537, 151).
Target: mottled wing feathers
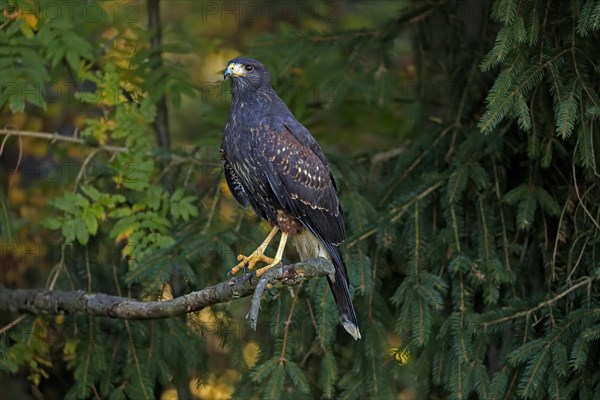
point(233, 182)
point(303, 136)
point(301, 181)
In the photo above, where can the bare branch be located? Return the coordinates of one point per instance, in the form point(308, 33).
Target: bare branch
point(43, 301)
point(55, 137)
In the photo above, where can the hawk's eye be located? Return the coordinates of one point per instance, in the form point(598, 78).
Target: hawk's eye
point(249, 68)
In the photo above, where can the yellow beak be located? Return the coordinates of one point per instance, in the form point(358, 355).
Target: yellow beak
point(234, 70)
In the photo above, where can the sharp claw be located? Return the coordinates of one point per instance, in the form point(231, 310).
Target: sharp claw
point(233, 271)
point(249, 277)
point(248, 262)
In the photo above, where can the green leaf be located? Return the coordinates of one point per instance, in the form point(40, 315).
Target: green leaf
point(81, 232)
point(163, 241)
point(90, 221)
point(53, 222)
point(68, 230)
point(73, 60)
point(27, 32)
point(91, 192)
point(15, 27)
point(120, 212)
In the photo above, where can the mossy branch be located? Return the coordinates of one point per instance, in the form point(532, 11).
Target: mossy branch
point(53, 302)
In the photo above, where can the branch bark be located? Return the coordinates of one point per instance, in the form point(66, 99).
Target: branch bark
point(55, 137)
point(53, 302)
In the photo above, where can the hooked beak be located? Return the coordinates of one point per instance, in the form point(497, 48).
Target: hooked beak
point(233, 71)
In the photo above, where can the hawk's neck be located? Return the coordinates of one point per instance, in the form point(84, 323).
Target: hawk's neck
point(263, 94)
point(252, 103)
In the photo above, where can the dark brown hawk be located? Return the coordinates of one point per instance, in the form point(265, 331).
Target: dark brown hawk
point(272, 163)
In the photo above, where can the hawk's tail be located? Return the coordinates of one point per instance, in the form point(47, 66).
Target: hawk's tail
point(309, 245)
point(341, 292)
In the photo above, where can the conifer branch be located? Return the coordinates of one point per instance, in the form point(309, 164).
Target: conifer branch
point(52, 302)
point(586, 281)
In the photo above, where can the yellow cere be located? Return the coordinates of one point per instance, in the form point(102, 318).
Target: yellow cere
point(237, 69)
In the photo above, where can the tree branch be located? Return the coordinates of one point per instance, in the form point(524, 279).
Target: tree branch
point(55, 137)
point(43, 301)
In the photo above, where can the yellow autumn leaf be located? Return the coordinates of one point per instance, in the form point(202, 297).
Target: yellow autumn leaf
point(31, 20)
point(123, 235)
point(218, 387)
point(251, 352)
point(169, 394)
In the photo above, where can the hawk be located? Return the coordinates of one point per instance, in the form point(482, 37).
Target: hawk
point(273, 163)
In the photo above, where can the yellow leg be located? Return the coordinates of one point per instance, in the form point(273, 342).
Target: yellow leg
point(278, 255)
point(257, 255)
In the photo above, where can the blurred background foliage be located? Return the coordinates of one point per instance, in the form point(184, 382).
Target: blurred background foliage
point(463, 139)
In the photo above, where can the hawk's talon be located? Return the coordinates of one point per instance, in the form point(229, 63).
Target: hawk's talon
point(248, 262)
point(258, 255)
point(249, 278)
point(261, 271)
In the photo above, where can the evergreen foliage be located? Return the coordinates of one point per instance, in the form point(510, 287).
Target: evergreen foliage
point(472, 249)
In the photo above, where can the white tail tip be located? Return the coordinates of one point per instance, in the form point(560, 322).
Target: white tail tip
point(352, 329)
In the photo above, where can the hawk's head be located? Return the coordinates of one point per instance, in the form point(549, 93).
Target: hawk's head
point(245, 72)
